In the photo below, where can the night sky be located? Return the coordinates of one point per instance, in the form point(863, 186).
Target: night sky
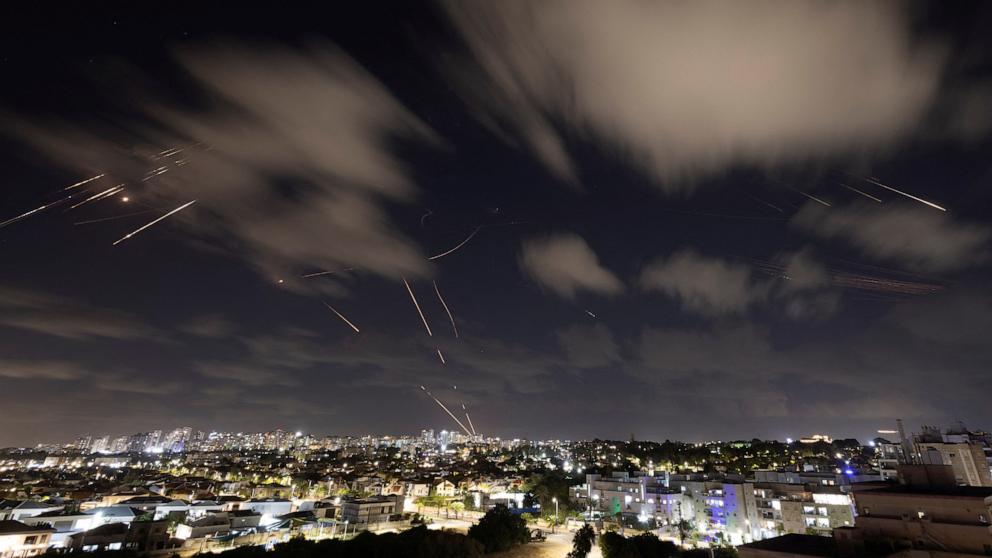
point(678, 222)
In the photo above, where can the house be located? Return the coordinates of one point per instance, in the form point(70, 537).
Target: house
point(139, 536)
point(147, 503)
point(18, 540)
point(445, 488)
point(268, 508)
point(376, 509)
point(31, 508)
point(109, 536)
point(114, 514)
point(64, 523)
point(210, 526)
point(418, 489)
point(230, 502)
point(201, 508)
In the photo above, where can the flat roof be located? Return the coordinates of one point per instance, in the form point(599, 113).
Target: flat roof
point(810, 545)
point(958, 491)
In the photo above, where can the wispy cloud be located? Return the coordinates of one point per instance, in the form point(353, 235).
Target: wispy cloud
point(62, 317)
point(565, 264)
point(709, 286)
point(918, 237)
point(692, 88)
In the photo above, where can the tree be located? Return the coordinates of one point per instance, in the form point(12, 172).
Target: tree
point(582, 542)
point(500, 530)
point(645, 545)
point(615, 545)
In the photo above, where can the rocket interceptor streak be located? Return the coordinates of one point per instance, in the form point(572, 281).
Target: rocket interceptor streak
point(450, 414)
point(27, 214)
point(87, 181)
point(865, 194)
point(460, 244)
point(901, 193)
point(345, 320)
point(145, 226)
point(450, 317)
point(469, 419)
point(419, 311)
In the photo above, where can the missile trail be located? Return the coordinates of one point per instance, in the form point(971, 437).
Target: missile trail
point(814, 198)
point(136, 231)
point(450, 414)
point(901, 193)
point(320, 273)
point(865, 194)
point(27, 214)
point(769, 204)
point(441, 356)
point(87, 181)
point(115, 217)
point(460, 244)
point(100, 195)
point(419, 311)
point(450, 317)
point(469, 419)
point(343, 319)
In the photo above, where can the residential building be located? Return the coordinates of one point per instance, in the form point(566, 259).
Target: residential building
point(938, 517)
point(18, 540)
point(377, 509)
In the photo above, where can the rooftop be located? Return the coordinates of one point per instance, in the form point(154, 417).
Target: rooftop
point(810, 545)
point(9, 527)
point(956, 491)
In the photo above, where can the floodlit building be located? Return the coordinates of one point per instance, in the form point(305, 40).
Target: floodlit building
point(968, 454)
point(931, 515)
point(18, 540)
point(377, 509)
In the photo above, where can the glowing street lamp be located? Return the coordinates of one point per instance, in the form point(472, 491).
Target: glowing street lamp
point(555, 500)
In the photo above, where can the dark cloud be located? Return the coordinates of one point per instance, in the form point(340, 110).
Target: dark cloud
point(213, 326)
point(62, 317)
point(589, 346)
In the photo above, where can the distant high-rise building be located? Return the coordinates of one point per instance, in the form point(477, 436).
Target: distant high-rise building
point(83, 443)
point(427, 437)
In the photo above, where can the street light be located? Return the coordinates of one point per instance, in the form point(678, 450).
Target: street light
point(555, 500)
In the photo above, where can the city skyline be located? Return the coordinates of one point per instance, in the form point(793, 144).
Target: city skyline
point(673, 221)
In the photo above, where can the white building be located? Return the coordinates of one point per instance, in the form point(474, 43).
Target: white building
point(18, 540)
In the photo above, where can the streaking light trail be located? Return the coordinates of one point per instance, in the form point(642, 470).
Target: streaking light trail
point(865, 194)
point(901, 193)
point(87, 181)
point(814, 198)
point(138, 230)
point(460, 244)
point(450, 317)
point(33, 211)
point(115, 217)
point(450, 414)
point(343, 319)
point(469, 419)
point(113, 190)
point(419, 311)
